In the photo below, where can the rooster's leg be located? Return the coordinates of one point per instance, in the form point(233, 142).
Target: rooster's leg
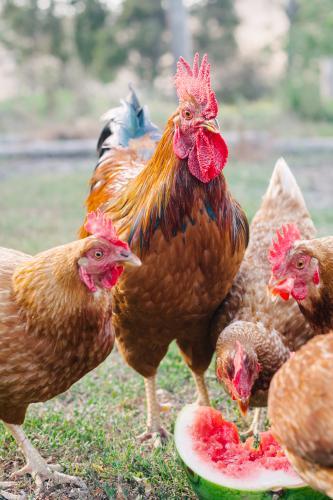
point(154, 430)
point(203, 397)
point(36, 466)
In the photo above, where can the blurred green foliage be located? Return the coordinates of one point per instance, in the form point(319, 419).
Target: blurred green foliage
point(29, 30)
point(310, 40)
point(69, 44)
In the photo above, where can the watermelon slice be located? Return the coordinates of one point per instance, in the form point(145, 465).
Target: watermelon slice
point(220, 466)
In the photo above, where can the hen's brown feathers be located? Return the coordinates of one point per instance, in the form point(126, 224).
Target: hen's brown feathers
point(248, 302)
point(269, 349)
point(303, 423)
point(52, 329)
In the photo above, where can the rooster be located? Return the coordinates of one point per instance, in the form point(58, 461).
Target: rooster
point(303, 269)
point(253, 338)
point(303, 424)
point(177, 213)
point(55, 312)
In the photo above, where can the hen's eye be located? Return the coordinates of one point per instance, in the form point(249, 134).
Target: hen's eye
point(187, 114)
point(300, 264)
point(98, 254)
point(230, 371)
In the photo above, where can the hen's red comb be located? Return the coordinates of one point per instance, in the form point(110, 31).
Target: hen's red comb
point(100, 225)
point(195, 82)
point(286, 237)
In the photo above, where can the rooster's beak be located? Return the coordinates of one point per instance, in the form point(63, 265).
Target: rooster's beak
point(282, 287)
point(212, 125)
point(128, 258)
point(243, 404)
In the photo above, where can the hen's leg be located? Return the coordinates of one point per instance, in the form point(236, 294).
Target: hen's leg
point(154, 429)
point(200, 383)
point(36, 466)
point(255, 426)
point(6, 494)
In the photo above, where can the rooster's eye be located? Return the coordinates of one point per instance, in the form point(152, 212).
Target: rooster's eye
point(98, 254)
point(187, 114)
point(300, 264)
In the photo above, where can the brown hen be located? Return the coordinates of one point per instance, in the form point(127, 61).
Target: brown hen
point(253, 337)
point(300, 408)
point(303, 269)
point(55, 311)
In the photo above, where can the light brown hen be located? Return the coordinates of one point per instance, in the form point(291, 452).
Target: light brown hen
point(303, 269)
point(300, 408)
point(55, 311)
point(253, 337)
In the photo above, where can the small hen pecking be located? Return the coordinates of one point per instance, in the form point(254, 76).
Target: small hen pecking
point(303, 424)
point(303, 269)
point(177, 213)
point(253, 337)
point(55, 311)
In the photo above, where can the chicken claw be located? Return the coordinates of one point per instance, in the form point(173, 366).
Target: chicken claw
point(256, 425)
point(37, 467)
point(6, 494)
point(159, 437)
point(41, 472)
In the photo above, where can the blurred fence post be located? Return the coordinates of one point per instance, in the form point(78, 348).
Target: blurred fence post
point(181, 42)
point(326, 78)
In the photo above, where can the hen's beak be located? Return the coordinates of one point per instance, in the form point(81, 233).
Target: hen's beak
point(128, 258)
point(243, 404)
point(212, 125)
point(282, 287)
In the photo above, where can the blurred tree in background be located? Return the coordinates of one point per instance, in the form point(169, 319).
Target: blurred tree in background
point(72, 46)
point(36, 37)
point(309, 49)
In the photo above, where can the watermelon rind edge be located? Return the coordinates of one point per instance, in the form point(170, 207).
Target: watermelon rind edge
point(209, 490)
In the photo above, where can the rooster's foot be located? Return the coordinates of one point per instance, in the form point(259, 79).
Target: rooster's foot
point(158, 437)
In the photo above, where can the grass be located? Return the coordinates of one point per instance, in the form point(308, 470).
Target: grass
point(91, 428)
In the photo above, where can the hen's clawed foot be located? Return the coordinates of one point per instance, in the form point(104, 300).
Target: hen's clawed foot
point(37, 467)
point(159, 437)
point(6, 494)
point(42, 471)
point(256, 426)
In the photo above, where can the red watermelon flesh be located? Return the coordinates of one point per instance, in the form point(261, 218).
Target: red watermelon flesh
point(217, 440)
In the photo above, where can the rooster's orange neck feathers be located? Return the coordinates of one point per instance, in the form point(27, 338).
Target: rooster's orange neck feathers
point(164, 194)
point(148, 194)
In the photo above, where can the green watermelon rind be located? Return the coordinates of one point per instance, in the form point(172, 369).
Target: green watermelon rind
point(208, 490)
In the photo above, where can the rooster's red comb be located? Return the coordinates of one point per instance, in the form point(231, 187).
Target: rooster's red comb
point(286, 237)
point(195, 82)
point(101, 226)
